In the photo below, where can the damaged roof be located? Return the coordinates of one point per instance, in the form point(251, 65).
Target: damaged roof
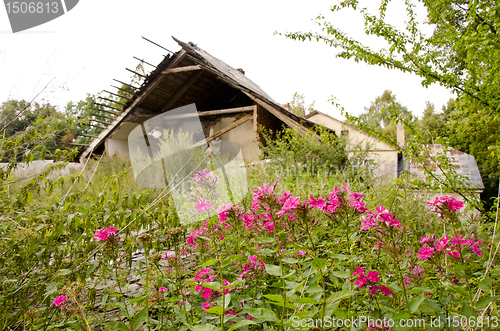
point(465, 165)
point(192, 75)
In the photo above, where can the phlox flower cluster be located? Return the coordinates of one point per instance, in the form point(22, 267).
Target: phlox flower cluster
point(59, 300)
point(104, 234)
point(206, 276)
point(253, 267)
point(380, 217)
point(371, 281)
point(442, 204)
point(447, 245)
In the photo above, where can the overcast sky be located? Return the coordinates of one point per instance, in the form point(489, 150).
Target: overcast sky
point(82, 51)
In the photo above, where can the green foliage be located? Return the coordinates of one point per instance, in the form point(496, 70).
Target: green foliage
point(298, 106)
point(462, 54)
point(379, 114)
point(291, 151)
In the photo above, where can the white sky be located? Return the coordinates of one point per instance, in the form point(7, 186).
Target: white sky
point(94, 43)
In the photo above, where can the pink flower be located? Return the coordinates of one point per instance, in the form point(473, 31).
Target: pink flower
point(320, 203)
point(162, 289)
point(373, 276)
point(425, 252)
point(377, 245)
point(373, 289)
point(206, 293)
point(203, 206)
point(181, 302)
point(206, 305)
point(104, 234)
point(386, 291)
point(302, 253)
point(356, 196)
point(59, 300)
point(360, 206)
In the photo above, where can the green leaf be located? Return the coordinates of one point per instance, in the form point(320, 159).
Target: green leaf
point(289, 260)
point(209, 262)
point(266, 240)
point(273, 270)
point(340, 257)
point(305, 300)
point(262, 314)
point(274, 297)
point(204, 327)
point(212, 285)
point(138, 299)
point(314, 288)
point(318, 263)
point(341, 274)
point(241, 324)
point(214, 310)
point(63, 272)
point(484, 302)
point(337, 296)
point(415, 303)
point(139, 319)
point(485, 284)
point(118, 326)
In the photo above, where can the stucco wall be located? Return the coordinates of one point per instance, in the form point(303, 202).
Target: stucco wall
point(243, 135)
point(381, 153)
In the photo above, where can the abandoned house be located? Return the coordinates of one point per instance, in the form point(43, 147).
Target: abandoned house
point(229, 105)
point(390, 163)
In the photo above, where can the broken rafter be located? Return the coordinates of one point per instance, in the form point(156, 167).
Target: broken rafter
point(94, 126)
point(113, 101)
point(145, 62)
point(106, 111)
point(181, 91)
point(102, 122)
point(121, 89)
point(86, 135)
point(120, 96)
point(75, 144)
point(214, 112)
point(132, 86)
point(136, 73)
point(181, 69)
point(224, 130)
point(101, 104)
point(157, 45)
point(102, 116)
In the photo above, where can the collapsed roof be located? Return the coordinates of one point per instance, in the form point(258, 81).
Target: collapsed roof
point(192, 75)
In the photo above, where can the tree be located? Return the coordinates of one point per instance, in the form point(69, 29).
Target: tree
point(298, 105)
point(463, 53)
point(379, 117)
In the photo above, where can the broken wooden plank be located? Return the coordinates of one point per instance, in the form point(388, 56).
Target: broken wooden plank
point(181, 69)
point(102, 116)
point(214, 112)
point(112, 101)
point(150, 87)
point(224, 130)
point(119, 81)
point(181, 91)
point(157, 45)
point(75, 144)
point(106, 111)
point(102, 122)
point(120, 96)
point(285, 119)
point(145, 62)
point(86, 135)
point(103, 105)
point(136, 73)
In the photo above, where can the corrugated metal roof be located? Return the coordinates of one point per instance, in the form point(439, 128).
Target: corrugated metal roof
point(465, 165)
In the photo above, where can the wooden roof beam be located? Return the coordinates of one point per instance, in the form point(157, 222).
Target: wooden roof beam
point(147, 90)
point(228, 128)
point(215, 112)
point(181, 69)
point(181, 91)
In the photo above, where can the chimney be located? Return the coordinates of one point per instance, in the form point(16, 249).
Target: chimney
point(401, 136)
